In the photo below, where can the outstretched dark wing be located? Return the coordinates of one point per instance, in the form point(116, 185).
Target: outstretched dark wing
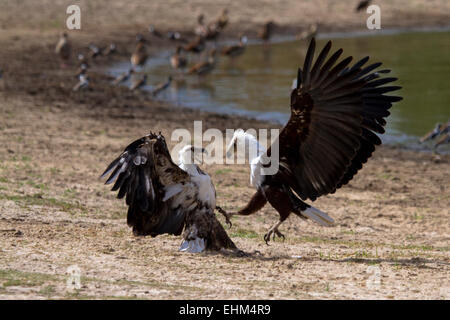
point(335, 112)
point(146, 176)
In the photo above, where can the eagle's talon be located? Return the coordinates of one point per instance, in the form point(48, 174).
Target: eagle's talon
point(226, 215)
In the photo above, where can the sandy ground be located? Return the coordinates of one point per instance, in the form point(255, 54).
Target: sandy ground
point(392, 235)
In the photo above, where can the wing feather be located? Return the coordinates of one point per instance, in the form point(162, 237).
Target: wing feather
point(142, 174)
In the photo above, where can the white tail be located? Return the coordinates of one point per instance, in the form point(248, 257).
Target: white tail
point(318, 216)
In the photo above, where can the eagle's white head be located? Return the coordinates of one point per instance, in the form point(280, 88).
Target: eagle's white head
point(241, 139)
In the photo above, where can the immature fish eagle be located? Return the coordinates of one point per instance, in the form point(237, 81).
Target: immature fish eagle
point(165, 198)
point(335, 112)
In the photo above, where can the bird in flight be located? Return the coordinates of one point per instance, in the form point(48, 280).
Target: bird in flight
point(337, 110)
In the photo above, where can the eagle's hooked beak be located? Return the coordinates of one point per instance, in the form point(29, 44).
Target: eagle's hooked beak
point(200, 150)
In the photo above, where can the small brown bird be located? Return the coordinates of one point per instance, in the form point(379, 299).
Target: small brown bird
point(177, 60)
point(362, 5)
point(139, 56)
point(94, 51)
point(111, 49)
point(437, 131)
point(83, 82)
point(205, 67)
point(175, 36)
point(195, 46)
point(266, 31)
point(201, 29)
point(81, 70)
point(443, 140)
point(123, 77)
point(82, 60)
point(64, 49)
point(236, 50)
point(307, 35)
point(162, 86)
point(222, 21)
point(139, 83)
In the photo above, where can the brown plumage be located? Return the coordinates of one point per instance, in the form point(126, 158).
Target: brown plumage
point(177, 60)
point(440, 130)
point(222, 21)
point(111, 49)
point(307, 35)
point(163, 198)
point(139, 56)
point(444, 139)
point(235, 50)
point(205, 67)
point(123, 77)
point(336, 111)
point(266, 31)
point(437, 131)
point(63, 48)
point(162, 86)
point(196, 46)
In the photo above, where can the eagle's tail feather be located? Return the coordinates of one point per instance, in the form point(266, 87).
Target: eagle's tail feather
point(193, 246)
point(318, 216)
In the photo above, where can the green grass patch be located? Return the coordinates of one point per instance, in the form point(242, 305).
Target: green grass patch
point(223, 171)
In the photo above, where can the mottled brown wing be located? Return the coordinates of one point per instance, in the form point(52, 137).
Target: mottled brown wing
point(142, 174)
point(335, 112)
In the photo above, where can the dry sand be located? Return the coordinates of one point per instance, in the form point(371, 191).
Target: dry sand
point(392, 219)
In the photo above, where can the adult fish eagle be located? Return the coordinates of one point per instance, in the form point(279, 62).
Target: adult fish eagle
point(336, 111)
point(165, 198)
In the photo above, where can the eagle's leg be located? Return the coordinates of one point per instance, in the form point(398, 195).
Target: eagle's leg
point(255, 204)
point(274, 232)
point(226, 215)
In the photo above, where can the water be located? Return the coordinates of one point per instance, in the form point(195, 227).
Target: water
point(258, 83)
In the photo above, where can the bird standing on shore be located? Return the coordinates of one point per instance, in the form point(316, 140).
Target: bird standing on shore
point(266, 31)
point(201, 29)
point(177, 60)
point(236, 50)
point(111, 49)
point(336, 112)
point(83, 82)
point(138, 83)
point(162, 86)
point(164, 198)
point(64, 49)
point(94, 51)
point(442, 130)
point(195, 46)
point(222, 21)
point(123, 77)
point(308, 34)
point(139, 56)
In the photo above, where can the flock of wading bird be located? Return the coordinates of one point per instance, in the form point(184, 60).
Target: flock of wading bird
point(203, 45)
